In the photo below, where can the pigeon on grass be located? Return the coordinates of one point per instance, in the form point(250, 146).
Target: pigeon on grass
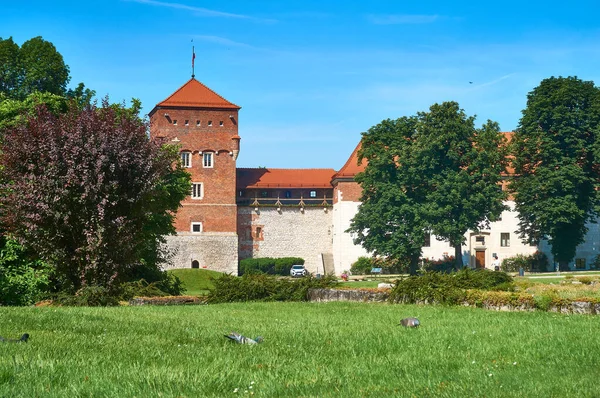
point(238, 338)
point(23, 339)
point(410, 323)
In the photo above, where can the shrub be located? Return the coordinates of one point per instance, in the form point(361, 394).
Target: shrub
point(586, 280)
point(362, 266)
point(268, 265)
point(22, 281)
point(444, 264)
point(89, 296)
point(443, 288)
point(261, 287)
point(536, 262)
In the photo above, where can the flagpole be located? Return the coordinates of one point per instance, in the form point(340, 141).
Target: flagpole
point(193, 58)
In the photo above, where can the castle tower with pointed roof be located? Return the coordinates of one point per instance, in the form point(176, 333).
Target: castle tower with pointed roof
point(205, 126)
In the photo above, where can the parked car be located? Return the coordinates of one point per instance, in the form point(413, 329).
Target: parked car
point(298, 270)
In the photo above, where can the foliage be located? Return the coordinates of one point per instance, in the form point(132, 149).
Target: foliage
point(362, 266)
point(262, 287)
point(171, 285)
point(23, 281)
point(88, 296)
point(536, 262)
point(36, 66)
point(90, 193)
point(14, 112)
point(556, 151)
point(444, 264)
point(596, 263)
point(430, 173)
point(268, 265)
point(442, 288)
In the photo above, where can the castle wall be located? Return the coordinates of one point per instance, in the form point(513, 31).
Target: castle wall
point(286, 233)
point(213, 251)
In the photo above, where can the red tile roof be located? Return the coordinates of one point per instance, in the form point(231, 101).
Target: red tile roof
point(197, 95)
point(352, 168)
point(284, 178)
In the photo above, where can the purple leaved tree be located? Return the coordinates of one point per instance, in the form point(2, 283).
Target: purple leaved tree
point(90, 193)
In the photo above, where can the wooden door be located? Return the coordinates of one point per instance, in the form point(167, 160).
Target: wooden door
point(480, 258)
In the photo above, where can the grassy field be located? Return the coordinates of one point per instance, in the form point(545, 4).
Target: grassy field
point(197, 282)
point(309, 350)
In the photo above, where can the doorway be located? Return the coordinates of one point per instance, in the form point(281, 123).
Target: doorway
point(195, 264)
point(479, 258)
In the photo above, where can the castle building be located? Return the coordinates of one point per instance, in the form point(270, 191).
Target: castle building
point(234, 213)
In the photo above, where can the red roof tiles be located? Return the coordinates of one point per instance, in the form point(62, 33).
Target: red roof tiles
point(284, 178)
point(196, 95)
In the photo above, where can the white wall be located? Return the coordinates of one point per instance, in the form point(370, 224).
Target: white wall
point(213, 250)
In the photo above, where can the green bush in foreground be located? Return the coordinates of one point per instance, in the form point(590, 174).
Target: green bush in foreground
point(437, 287)
point(260, 287)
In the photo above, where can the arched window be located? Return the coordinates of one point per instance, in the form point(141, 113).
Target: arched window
point(195, 264)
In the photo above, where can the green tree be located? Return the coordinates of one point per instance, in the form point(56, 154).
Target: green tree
point(89, 193)
point(461, 170)
point(556, 148)
point(430, 173)
point(388, 222)
point(10, 70)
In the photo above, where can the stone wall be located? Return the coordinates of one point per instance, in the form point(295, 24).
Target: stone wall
point(213, 251)
point(288, 232)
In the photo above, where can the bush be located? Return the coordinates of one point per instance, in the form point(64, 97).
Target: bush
point(22, 281)
point(536, 262)
point(268, 265)
point(89, 296)
point(443, 288)
point(261, 287)
point(445, 264)
point(362, 266)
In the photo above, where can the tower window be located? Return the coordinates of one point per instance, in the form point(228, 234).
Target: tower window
point(221, 123)
point(210, 122)
point(197, 190)
point(207, 160)
point(186, 159)
point(187, 122)
point(288, 194)
point(197, 122)
point(196, 227)
point(313, 194)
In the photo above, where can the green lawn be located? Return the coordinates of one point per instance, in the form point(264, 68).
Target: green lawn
point(197, 282)
point(309, 350)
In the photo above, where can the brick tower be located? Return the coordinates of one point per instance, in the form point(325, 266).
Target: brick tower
point(205, 126)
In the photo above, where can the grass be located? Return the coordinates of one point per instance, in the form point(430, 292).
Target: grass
point(197, 282)
point(310, 350)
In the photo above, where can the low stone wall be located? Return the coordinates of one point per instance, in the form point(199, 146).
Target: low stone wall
point(381, 295)
point(169, 300)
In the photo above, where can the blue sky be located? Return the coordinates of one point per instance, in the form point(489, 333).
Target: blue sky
point(310, 76)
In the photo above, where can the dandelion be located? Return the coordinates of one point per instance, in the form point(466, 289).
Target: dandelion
point(250, 387)
point(253, 382)
point(490, 375)
point(514, 363)
point(236, 390)
point(473, 362)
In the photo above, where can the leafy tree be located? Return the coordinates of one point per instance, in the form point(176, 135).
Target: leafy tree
point(89, 193)
point(389, 222)
point(434, 172)
point(556, 158)
point(10, 70)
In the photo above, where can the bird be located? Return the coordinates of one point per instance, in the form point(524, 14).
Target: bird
point(410, 323)
point(238, 338)
point(23, 339)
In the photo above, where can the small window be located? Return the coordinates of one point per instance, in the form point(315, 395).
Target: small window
point(187, 122)
point(197, 190)
point(288, 194)
point(197, 123)
point(210, 122)
point(480, 240)
point(186, 159)
point(264, 194)
point(505, 239)
point(207, 160)
point(196, 227)
point(175, 121)
point(241, 193)
point(580, 263)
point(427, 240)
point(221, 123)
point(313, 194)
point(257, 232)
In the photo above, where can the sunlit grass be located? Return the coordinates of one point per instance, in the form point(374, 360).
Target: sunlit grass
point(196, 281)
point(310, 350)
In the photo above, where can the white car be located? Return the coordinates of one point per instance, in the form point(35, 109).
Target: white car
point(298, 270)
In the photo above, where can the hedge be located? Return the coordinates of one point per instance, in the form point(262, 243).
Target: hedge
point(268, 265)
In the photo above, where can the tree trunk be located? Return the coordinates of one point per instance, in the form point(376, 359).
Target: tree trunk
point(458, 264)
point(414, 265)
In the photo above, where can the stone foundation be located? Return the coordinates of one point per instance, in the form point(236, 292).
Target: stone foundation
point(214, 251)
